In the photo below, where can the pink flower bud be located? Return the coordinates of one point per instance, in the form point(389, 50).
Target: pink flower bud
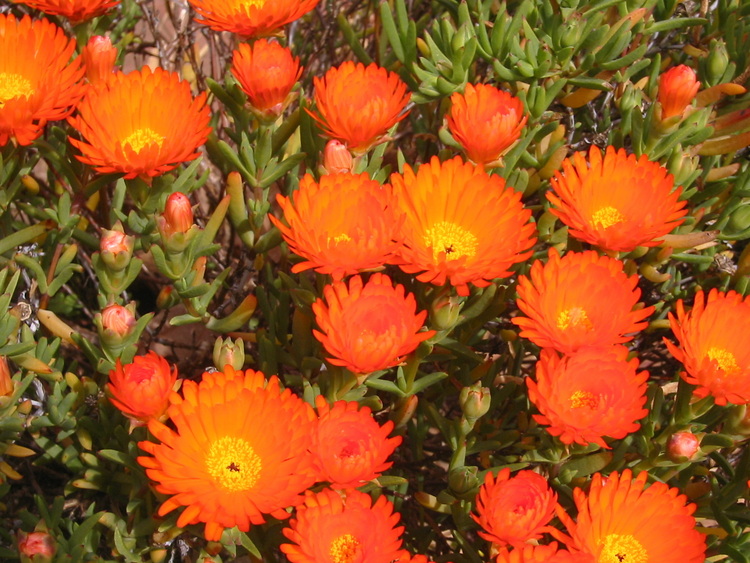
point(337, 158)
point(178, 214)
point(118, 319)
point(677, 89)
point(99, 58)
point(115, 242)
point(682, 446)
point(36, 546)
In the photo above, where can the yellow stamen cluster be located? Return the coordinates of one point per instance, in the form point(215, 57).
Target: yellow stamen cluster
point(142, 137)
point(606, 217)
point(344, 549)
point(622, 549)
point(574, 317)
point(584, 399)
point(455, 241)
point(233, 463)
point(724, 359)
point(14, 86)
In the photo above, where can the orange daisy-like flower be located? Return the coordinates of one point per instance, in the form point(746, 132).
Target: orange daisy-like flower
point(513, 510)
point(76, 11)
point(267, 73)
point(239, 451)
point(541, 554)
point(330, 528)
point(592, 394)
point(38, 82)
point(358, 104)
point(617, 202)
point(342, 225)
point(581, 299)
point(251, 18)
point(618, 521)
point(485, 121)
point(368, 328)
point(349, 446)
point(677, 88)
point(714, 345)
point(143, 123)
point(460, 224)
point(142, 388)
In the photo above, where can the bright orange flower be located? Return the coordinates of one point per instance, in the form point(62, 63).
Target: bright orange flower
point(239, 451)
point(619, 521)
point(368, 328)
point(714, 345)
point(582, 299)
point(485, 121)
point(142, 388)
point(251, 18)
point(342, 225)
point(590, 395)
point(541, 554)
point(617, 202)
point(358, 104)
point(76, 11)
point(677, 89)
point(460, 224)
point(513, 510)
point(38, 82)
point(330, 528)
point(349, 446)
point(143, 123)
point(267, 73)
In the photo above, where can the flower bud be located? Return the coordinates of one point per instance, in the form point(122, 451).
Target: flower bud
point(677, 89)
point(717, 62)
point(682, 446)
point(36, 547)
point(445, 312)
point(6, 383)
point(228, 352)
point(99, 58)
point(178, 215)
point(116, 248)
point(475, 401)
point(141, 389)
point(463, 480)
point(337, 158)
point(118, 320)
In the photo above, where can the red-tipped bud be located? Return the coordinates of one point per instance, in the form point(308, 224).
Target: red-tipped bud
point(337, 158)
point(677, 89)
point(115, 242)
point(36, 547)
point(6, 383)
point(117, 319)
point(178, 214)
point(682, 446)
point(99, 57)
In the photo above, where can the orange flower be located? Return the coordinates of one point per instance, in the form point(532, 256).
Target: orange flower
point(343, 225)
point(251, 18)
point(677, 88)
point(513, 510)
point(368, 328)
point(714, 345)
point(358, 104)
point(142, 388)
point(143, 123)
point(617, 202)
point(330, 528)
point(76, 11)
point(460, 225)
point(485, 121)
point(541, 554)
point(349, 446)
point(38, 83)
point(6, 382)
point(267, 73)
point(582, 299)
point(620, 521)
point(239, 451)
point(589, 395)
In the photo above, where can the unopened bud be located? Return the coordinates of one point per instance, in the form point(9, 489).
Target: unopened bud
point(116, 248)
point(118, 320)
point(178, 214)
point(337, 158)
point(36, 547)
point(463, 481)
point(716, 62)
point(99, 57)
point(682, 446)
point(475, 401)
point(404, 411)
point(677, 89)
point(228, 352)
point(445, 312)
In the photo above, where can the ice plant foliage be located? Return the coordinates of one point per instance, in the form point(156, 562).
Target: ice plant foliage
point(620, 520)
point(616, 202)
point(460, 225)
point(514, 510)
point(267, 73)
point(341, 225)
point(141, 389)
point(579, 300)
point(357, 105)
point(250, 18)
point(485, 121)
point(677, 89)
point(331, 528)
point(349, 446)
point(593, 394)
point(143, 123)
point(714, 345)
point(368, 327)
point(76, 11)
point(38, 81)
point(238, 451)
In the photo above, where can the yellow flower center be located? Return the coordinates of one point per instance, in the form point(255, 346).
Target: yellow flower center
point(142, 137)
point(245, 5)
point(452, 239)
point(622, 549)
point(343, 237)
point(574, 317)
point(606, 217)
point(584, 399)
point(14, 86)
point(233, 463)
point(724, 359)
point(344, 549)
